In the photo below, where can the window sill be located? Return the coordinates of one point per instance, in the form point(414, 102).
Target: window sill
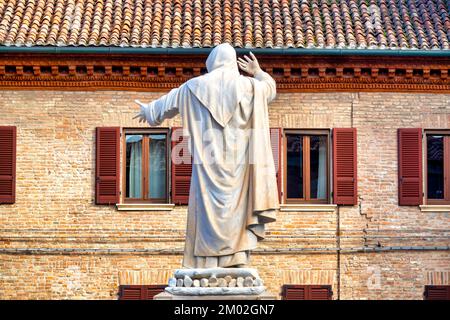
point(145, 206)
point(435, 208)
point(308, 207)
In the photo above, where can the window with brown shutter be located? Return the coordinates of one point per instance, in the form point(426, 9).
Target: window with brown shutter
point(437, 177)
point(145, 165)
point(306, 292)
point(441, 292)
point(345, 189)
point(276, 143)
point(7, 164)
point(410, 167)
point(181, 167)
point(306, 166)
point(140, 292)
point(107, 165)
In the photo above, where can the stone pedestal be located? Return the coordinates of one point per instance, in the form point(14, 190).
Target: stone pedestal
point(263, 296)
point(216, 284)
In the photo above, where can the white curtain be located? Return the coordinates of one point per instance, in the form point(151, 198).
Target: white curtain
point(321, 179)
point(135, 166)
point(157, 167)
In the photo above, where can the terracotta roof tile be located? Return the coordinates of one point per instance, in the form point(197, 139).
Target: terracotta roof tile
point(361, 24)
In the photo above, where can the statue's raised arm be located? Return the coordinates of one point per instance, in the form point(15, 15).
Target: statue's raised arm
point(157, 111)
point(251, 66)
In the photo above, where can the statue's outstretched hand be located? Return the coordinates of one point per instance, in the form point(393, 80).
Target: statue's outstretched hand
point(251, 66)
point(141, 114)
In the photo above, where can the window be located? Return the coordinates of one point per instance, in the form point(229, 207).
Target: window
point(307, 166)
point(437, 150)
point(441, 292)
point(140, 292)
point(306, 292)
point(145, 166)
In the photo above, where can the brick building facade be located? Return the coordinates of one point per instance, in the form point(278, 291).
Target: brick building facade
point(57, 242)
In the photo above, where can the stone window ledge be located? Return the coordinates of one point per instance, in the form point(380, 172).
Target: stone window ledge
point(435, 208)
point(308, 207)
point(145, 206)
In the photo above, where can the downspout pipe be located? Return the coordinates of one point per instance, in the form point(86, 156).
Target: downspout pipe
point(191, 51)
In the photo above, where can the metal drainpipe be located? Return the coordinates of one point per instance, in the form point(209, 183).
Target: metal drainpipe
point(445, 53)
point(338, 246)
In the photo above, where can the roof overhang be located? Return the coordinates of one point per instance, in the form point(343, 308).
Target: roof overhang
point(160, 69)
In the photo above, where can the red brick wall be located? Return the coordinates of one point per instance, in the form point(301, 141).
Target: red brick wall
point(55, 207)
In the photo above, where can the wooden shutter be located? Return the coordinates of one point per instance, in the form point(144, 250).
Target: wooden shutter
point(153, 290)
point(345, 189)
point(306, 292)
point(276, 142)
point(410, 167)
point(130, 293)
point(7, 164)
point(139, 292)
point(293, 292)
point(437, 292)
point(181, 168)
point(107, 178)
point(320, 293)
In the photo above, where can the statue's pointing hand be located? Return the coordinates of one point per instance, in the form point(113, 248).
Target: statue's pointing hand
point(251, 66)
point(141, 114)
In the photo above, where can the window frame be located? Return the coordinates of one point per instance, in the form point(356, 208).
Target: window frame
point(306, 166)
point(145, 167)
point(446, 200)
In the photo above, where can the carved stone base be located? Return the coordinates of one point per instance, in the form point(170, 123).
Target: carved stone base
point(222, 283)
point(263, 296)
point(218, 291)
point(216, 272)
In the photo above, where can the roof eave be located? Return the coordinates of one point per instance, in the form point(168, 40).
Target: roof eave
point(196, 51)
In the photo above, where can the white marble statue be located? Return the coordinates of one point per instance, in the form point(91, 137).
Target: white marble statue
point(233, 191)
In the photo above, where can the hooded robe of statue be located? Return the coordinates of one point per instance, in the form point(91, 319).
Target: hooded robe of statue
point(233, 191)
